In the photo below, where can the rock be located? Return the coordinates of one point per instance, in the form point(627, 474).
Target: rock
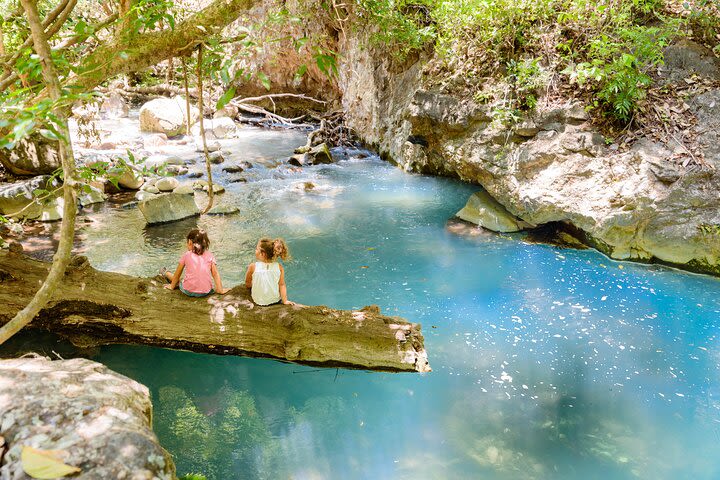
point(144, 195)
point(216, 158)
point(233, 169)
point(176, 170)
point(230, 111)
point(130, 179)
point(34, 155)
point(184, 188)
point(299, 160)
point(216, 188)
point(166, 115)
point(303, 149)
point(154, 141)
point(150, 189)
point(217, 128)
point(320, 154)
point(168, 207)
point(527, 128)
point(212, 145)
point(245, 165)
point(484, 211)
point(685, 58)
point(99, 420)
point(223, 210)
point(195, 173)
point(167, 184)
point(20, 196)
point(107, 145)
point(94, 195)
point(175, 160)
point(114, 106)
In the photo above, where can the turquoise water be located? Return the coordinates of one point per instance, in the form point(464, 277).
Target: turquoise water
point(547, 363)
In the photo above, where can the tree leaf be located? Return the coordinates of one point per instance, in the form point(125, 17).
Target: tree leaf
point(226, 97)
point(45, 463)
point(264, 79)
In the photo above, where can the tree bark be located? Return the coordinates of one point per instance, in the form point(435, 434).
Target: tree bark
point(208, 165)
point(93, 308)
point(67, 229)
point(123, 55)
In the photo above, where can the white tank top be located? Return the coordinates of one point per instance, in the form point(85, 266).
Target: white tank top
point(265, 289)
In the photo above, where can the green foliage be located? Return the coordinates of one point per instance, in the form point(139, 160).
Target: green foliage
point(709, 228)
point(405, 26)
point(526, 77)
point(618, 68)
point(152, 14)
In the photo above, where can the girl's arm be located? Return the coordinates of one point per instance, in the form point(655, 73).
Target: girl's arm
point(218, 282)
point(176, 277)
point(249, 274)
point(283, 288)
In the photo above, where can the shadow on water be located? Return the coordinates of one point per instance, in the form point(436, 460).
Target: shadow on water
point(168, 236)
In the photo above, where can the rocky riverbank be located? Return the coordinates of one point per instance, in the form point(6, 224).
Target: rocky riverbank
point(654, 200)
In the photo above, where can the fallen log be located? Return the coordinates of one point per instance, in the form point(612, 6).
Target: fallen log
point(92, 308)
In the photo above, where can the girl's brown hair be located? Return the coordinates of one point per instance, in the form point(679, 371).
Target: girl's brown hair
point(199, 239)
point(273, 249)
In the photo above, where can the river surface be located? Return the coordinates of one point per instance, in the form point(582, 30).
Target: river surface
point(547, 363)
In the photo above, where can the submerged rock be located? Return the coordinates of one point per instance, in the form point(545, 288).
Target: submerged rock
point(97, 420)
point(168, 207)
point(484, 211)
point(223, 210)
point(166, 115)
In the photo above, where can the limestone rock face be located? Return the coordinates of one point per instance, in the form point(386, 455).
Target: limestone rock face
point(554, 166)
point(168, 207)
point(486, 212)
point(35, 155)
point(99, 420)
point(166, 115)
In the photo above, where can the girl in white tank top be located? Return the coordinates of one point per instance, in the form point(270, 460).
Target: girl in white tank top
point(266, 277)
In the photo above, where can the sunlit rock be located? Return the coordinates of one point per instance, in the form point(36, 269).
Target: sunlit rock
point(168, 207)
point(98, 420)
point(484, 211)
point(166, 115)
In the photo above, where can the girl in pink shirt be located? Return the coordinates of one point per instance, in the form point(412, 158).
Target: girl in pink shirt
point(200, 268)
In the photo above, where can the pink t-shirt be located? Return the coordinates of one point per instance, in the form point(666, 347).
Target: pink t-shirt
point(198, 277)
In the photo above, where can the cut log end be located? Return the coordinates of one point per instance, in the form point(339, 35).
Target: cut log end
point(93, 308)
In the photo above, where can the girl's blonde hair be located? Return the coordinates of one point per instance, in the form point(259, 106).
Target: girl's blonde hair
point(272, 249)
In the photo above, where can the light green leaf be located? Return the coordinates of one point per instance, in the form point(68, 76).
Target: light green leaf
point(264, 80)
point(226, 97)
point(45, 463)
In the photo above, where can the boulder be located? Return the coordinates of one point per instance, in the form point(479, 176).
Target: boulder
point(34, 155)
point(20, 196)
point(184, 188)
point(230, 111)
point(168, 207)
point(320, 154)
point(216, 188)
point(95, 419)
point(484, 211)
point(216, 128)
point(155, 141)
point(212, 145)
point(233, 169)
point(216, 158)
point(167, 184)
point(91, 196)
point(114, 106)
point(144, 195)
point(130, 180)
point(166, 115)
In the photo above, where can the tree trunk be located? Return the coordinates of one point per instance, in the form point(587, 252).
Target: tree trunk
point(93, 308)
point(208, 165)
point(67, 229)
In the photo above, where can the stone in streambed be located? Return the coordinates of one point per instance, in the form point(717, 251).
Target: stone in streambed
point(483, 210)
point(167, 184)
point(168, 207)
point(91, 196)
point(130, 180)
point(99, 419)
point(223, 210)
point(166, 115)
point(320, 154)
